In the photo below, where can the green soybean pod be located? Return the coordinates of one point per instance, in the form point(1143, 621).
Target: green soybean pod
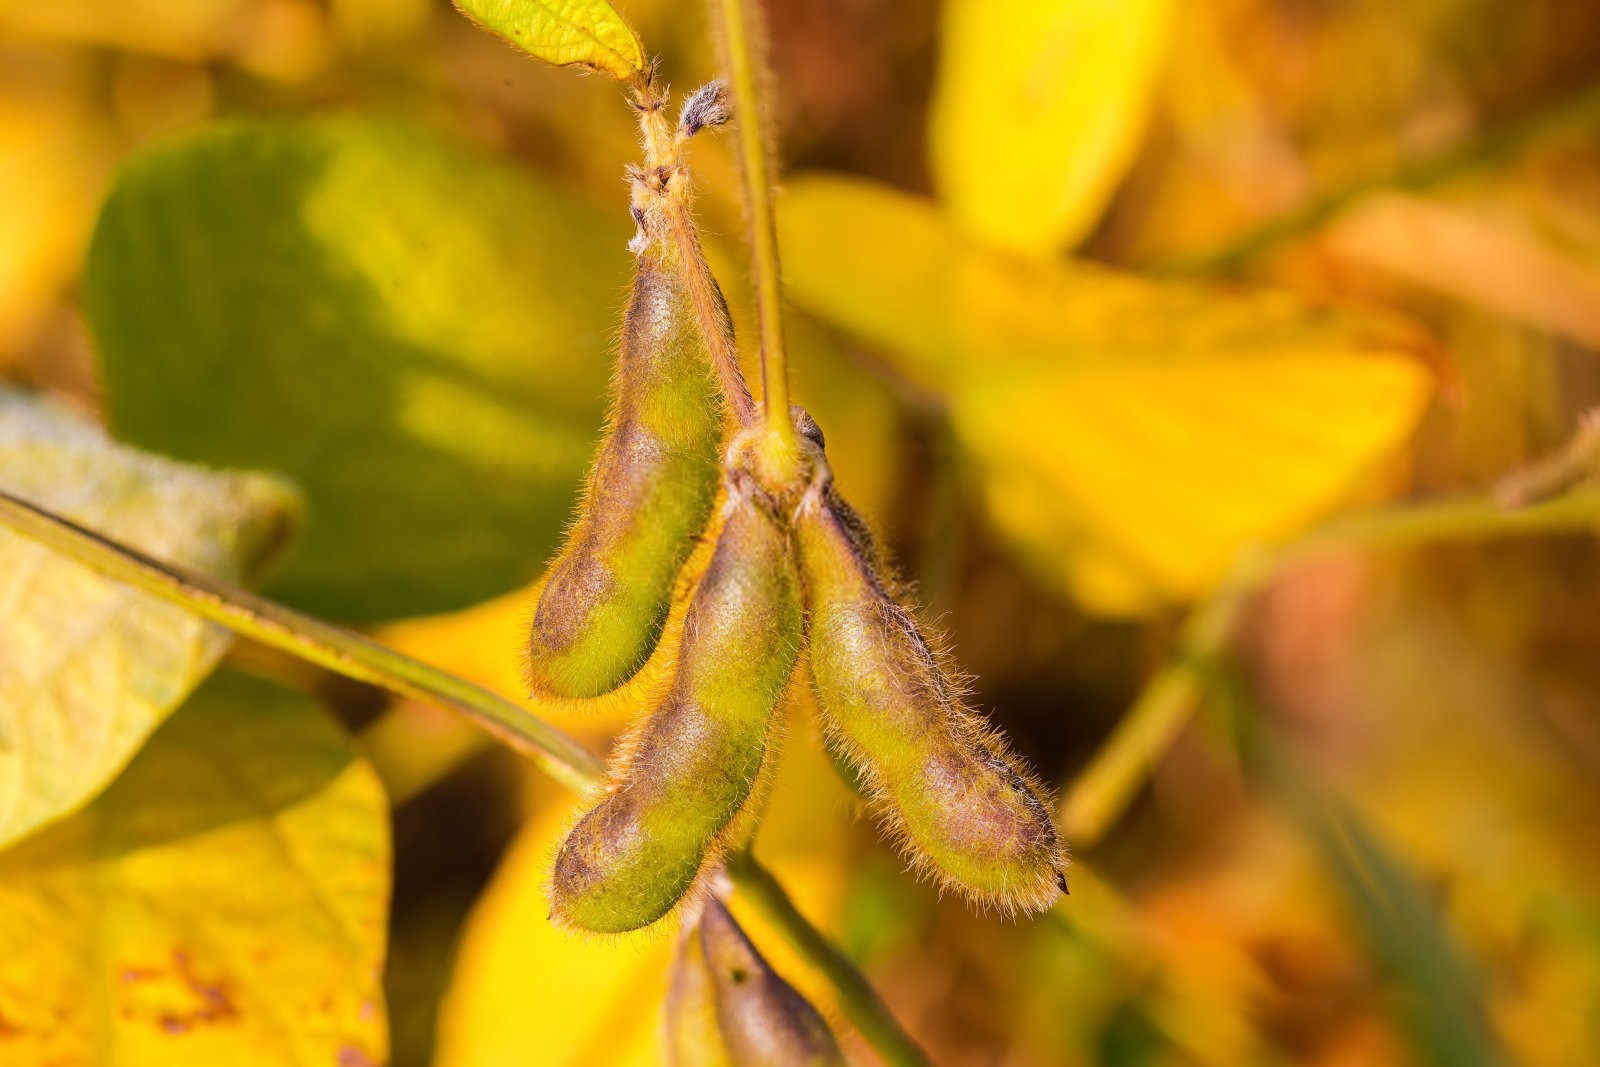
point(649, 494)
point(961, 804)
point(690, 768)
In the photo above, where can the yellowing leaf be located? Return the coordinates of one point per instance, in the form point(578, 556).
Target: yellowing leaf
point(89, 667)
point(1038, 111)
point(1132, 436)
point(1498, 263)
point(224, 902)
point(56, 153)
point(182, 29)
point(524, 991)
point(588, 33)
point(282, 39)
point(1519, 237)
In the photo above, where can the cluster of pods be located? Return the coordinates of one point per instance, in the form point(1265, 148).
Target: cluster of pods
point(791, 570)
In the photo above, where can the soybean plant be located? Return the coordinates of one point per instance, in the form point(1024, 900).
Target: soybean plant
point(685, 783)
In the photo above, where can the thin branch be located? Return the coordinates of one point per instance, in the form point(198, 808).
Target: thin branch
point(1549, 475)
point(1099, 795)
point(740, 40)
point(339, 650)
point(666, 178)
point(1103, 790)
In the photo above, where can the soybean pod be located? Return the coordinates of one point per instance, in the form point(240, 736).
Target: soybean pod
point(690, 1030)
point(945, 782)
point(649, 494)
point(692, 765)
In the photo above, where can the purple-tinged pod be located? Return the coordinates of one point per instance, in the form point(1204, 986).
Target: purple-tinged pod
point(690, 1031)
point(649, 495)
point(726, 1006)
point(690, 768)
point(945, 783)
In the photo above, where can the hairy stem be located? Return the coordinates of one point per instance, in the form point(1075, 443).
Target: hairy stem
point(667, 177)
point(1099, 795)
point(756, 885)
point(364, 660)
point(740, 40)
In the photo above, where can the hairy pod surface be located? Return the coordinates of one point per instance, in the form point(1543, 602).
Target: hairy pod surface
point(727, 1006)
point(962, 804)
point(649, 495)
point(690, 767)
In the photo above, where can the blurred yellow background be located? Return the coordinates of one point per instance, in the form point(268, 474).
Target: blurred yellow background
point(1097, 303)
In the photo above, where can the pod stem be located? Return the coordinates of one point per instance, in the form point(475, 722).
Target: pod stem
point(362, 659)
point(758, 888)
point(740, 40)
point(663, 156)
point(1099, 795)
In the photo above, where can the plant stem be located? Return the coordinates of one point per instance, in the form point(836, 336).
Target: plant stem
point(671, 192)
point(364, 660)
point(1099, 795)
point(339, 650)
point(861, 1002)
point(1102, 791)
point(741, 42)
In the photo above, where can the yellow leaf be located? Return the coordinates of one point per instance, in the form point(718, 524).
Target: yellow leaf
point(89, 667)
point(1132, 436)
point(224, 902)
point(1520, 237)
point(1498, 263)
point(56, 153)
point(181, 29)
point(588, 33)
point(279, 39)
point(1038, 111)
point(524, 991)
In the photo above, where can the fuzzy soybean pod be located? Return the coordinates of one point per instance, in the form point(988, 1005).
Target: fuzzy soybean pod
point(649, 494)
point(726, 1006)
point(691, 766)
point(947, 785)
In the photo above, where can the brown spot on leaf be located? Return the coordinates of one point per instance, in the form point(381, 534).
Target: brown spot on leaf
point(351, 1056)
point(215, 1003)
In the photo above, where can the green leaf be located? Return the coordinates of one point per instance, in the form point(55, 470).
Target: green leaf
point(1131, 437)
point(1038, 111)
point(588, 33)
point(89, 667)
point(224, 902)
point(419, 337)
